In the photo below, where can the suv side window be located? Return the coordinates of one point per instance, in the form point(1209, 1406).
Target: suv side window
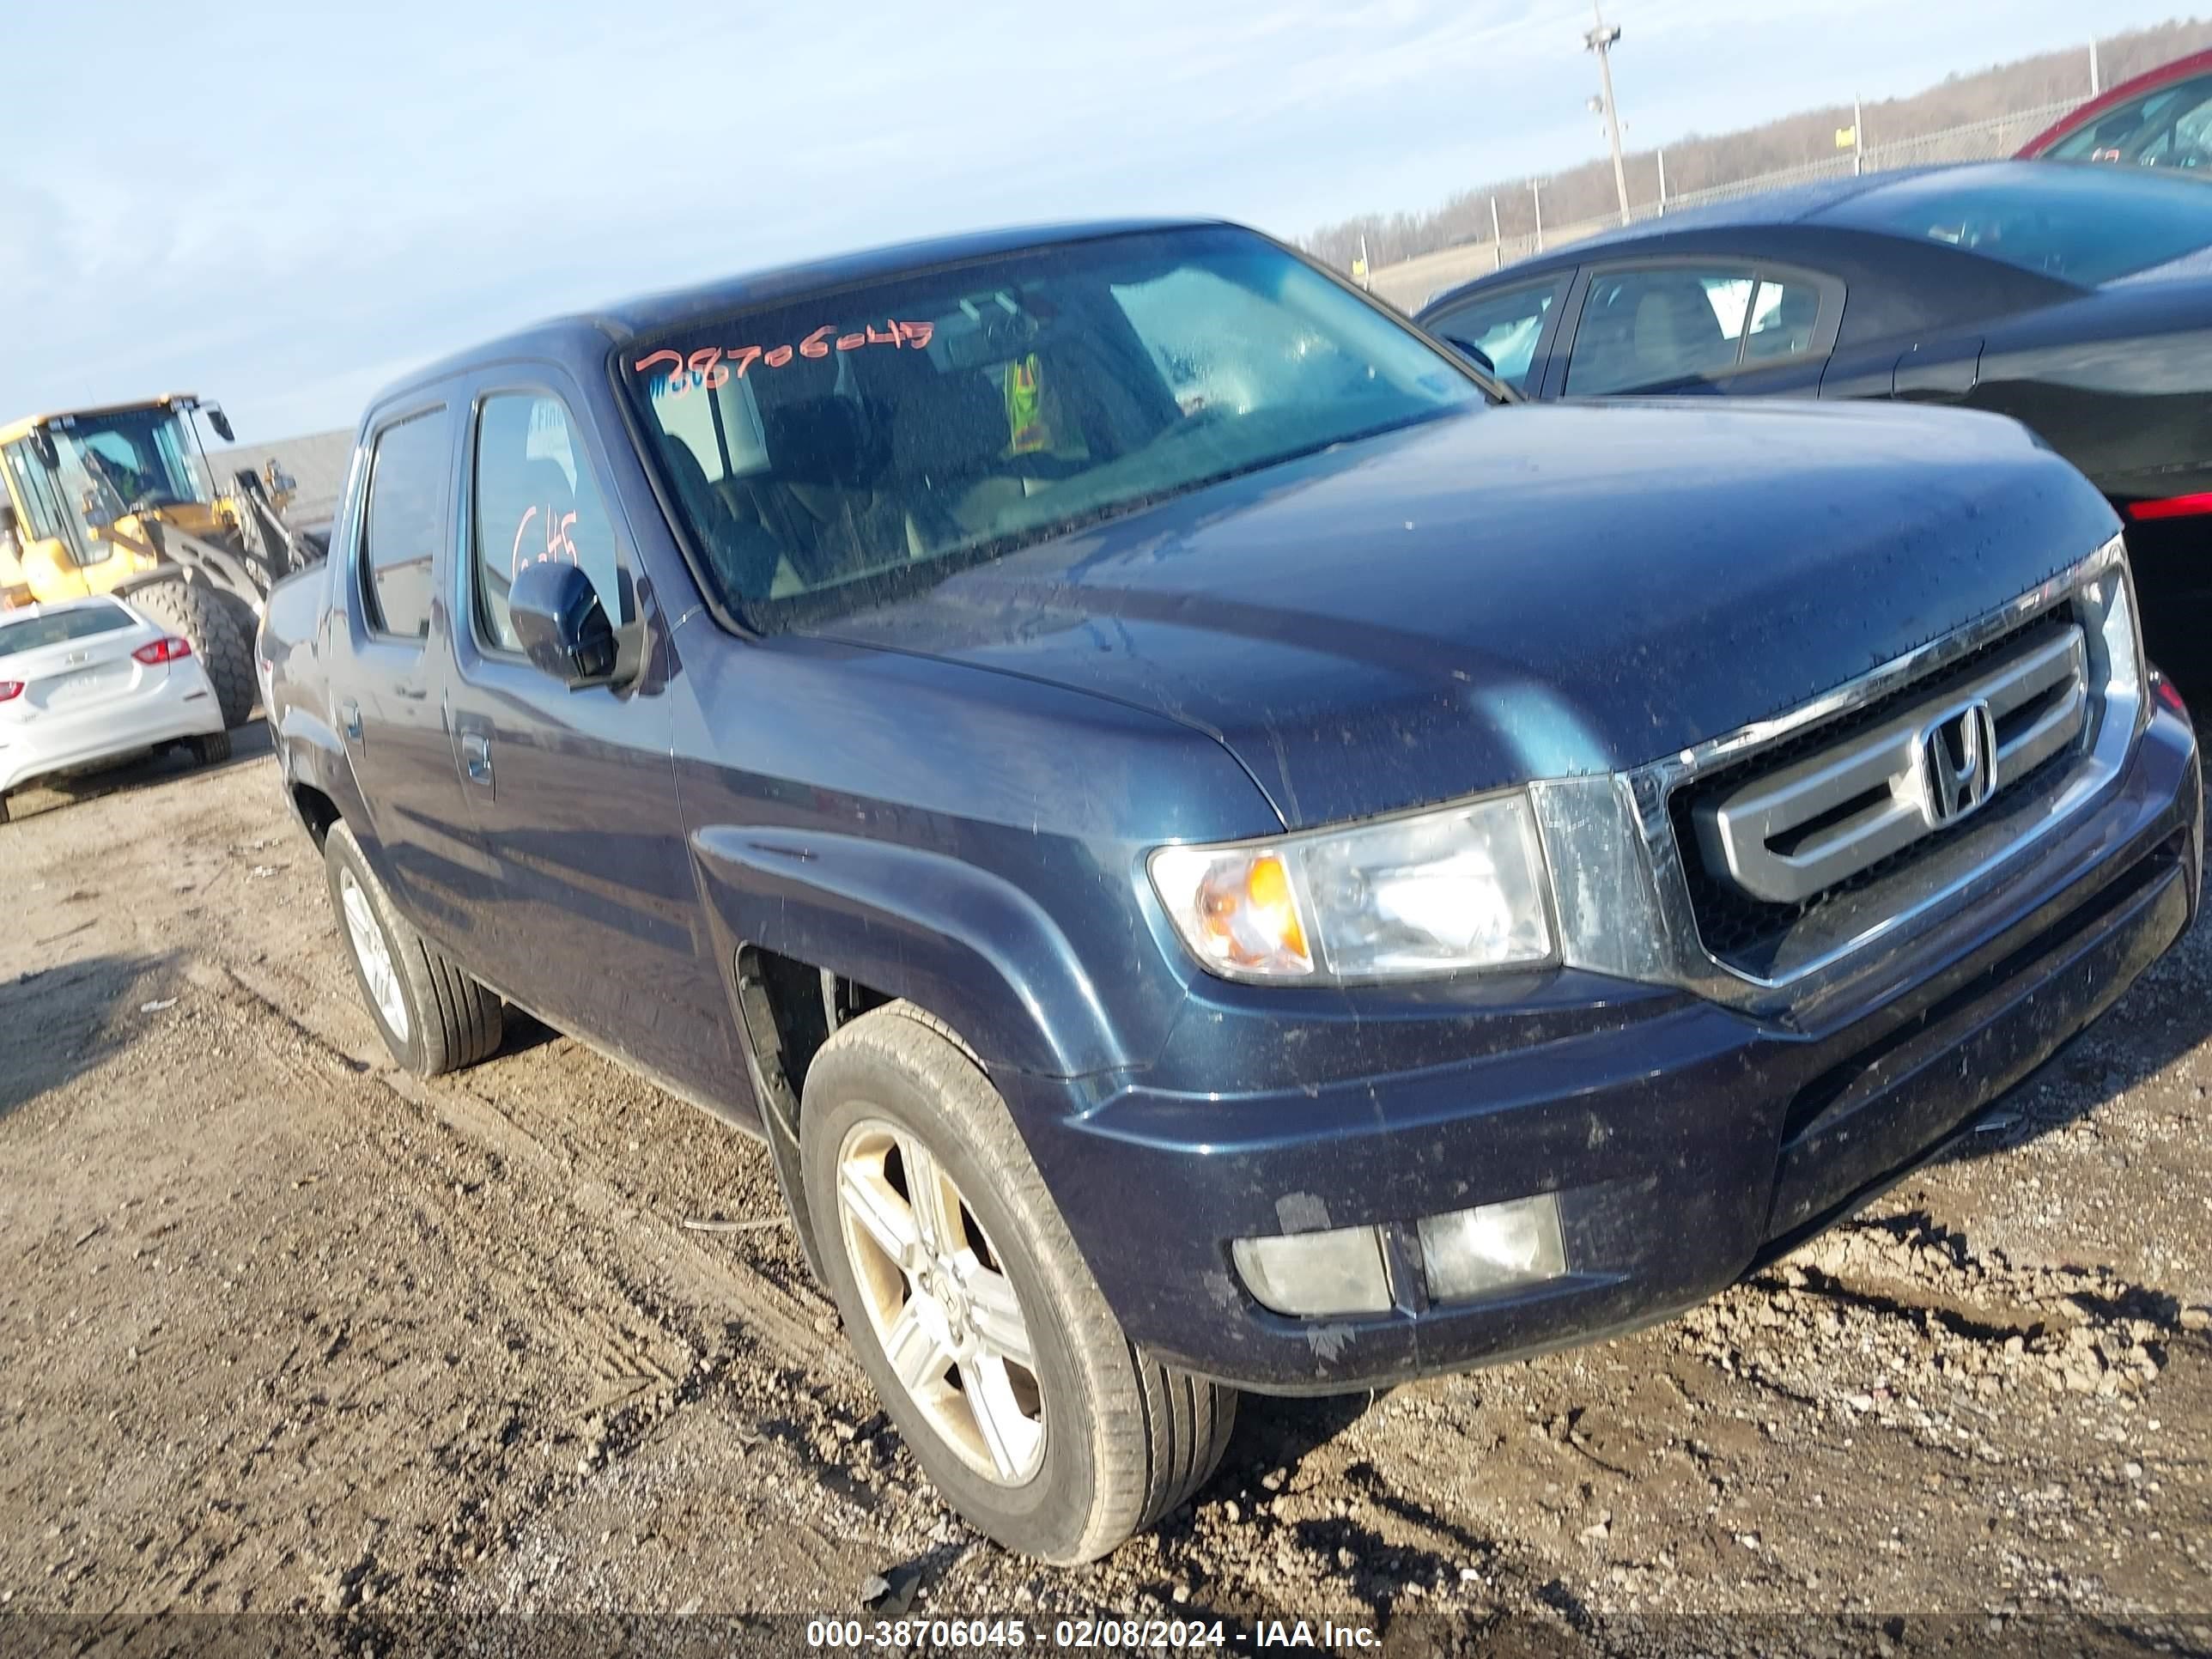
point(405, 523)
point(1665, 324)
point(536, 500)
point(1504, 326)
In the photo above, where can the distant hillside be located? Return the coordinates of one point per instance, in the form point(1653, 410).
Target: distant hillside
point(1695, 163)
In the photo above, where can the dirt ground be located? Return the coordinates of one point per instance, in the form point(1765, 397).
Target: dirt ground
point(285, 1332)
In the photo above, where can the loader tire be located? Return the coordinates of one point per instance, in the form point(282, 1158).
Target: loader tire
point(208, 619)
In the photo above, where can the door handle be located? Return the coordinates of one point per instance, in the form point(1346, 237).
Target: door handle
point(349, 718)
point(476, 758)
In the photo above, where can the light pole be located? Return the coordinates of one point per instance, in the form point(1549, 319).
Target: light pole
point(1601, 40)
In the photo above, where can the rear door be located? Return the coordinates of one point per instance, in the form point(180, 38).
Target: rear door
point(1697, 324)
point(595, 922)
point(386, 682)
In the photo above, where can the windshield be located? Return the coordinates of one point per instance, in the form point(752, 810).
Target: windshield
point(59, 627)
point(2170, 126)
point(141, 458)
point(2082, 225)
point(831, 450)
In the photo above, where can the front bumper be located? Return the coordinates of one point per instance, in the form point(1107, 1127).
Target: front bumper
point(1683, 1139)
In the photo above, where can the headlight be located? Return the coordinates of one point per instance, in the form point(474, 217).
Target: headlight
point(1420, 896)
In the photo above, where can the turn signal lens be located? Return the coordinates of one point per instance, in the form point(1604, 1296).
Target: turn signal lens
point(11, 688)
point(1242, 914)
point(171, 649)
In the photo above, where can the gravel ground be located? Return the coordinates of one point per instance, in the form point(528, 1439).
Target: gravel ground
point(285, 1332)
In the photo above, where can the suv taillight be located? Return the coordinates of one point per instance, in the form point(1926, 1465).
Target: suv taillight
point(11, 688)
point(168, 650)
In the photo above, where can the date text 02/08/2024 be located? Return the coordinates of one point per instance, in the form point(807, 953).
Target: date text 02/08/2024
point(1091, 1635)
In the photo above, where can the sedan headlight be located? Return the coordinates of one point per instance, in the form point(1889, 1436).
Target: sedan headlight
point(1435, 893)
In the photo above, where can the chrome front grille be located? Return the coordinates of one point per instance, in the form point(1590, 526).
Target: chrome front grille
point(2053, 685)
point(1789, 849)
point(1784, 835)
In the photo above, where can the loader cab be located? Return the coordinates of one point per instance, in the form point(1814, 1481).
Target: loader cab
point(72, 478)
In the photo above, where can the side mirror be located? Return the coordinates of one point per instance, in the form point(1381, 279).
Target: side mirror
point(42, 445)
point(280, 482)
point(1474, 354)
point(561, 624)
point(220, 422)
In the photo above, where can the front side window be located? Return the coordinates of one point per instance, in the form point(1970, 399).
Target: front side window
point(1504, 327)
point(405, 524)
point(830, 450)
point(536, 500)
point(1667, 325)
point(2168, 127)
point(46, 518)
point(2081, 225)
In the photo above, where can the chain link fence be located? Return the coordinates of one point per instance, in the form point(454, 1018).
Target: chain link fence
point(1413, 283)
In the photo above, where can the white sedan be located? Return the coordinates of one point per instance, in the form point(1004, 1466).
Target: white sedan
point(89, 683)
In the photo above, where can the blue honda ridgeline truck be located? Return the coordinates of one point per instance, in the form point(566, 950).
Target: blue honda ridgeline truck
point(1215, 857)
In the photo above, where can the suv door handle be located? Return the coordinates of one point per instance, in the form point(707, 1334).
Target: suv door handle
point(349, 718)
point(476, 758)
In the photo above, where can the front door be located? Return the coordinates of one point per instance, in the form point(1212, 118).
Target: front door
point(597, 924)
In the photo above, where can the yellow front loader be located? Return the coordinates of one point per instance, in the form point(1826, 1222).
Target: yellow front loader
point(121, 499)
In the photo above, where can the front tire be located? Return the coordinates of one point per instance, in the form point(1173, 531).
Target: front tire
point(431, 1015)
point(973, 1312)
point(212, 750)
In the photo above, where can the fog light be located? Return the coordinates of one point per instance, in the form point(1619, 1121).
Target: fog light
point(1337, 1272)
point(1492, 1247)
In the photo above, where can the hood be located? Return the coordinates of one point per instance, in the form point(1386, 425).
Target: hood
point(1523, 593)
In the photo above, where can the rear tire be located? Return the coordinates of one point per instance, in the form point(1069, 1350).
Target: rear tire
point(212, 750)
point(431, 1015)
point(1125, 1440)
point(208, 620)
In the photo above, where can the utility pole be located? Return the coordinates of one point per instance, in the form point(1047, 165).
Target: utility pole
point(1601, 40)
point(2095, 89)
point(1858, 139)
point(1497, 241)
point(1536, 195)
point(1663, 182)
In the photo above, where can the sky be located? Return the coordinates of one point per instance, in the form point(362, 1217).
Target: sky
point(307, 201)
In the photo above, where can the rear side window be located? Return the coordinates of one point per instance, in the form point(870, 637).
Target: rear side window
point(1505, 327)
point(59, 627)
point(406, 521)
point(1644, 330)
point(535, 500)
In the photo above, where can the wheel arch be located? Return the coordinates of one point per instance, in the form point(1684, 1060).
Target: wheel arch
point(962, 944)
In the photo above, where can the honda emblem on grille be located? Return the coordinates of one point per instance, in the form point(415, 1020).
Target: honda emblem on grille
point(1958, 760)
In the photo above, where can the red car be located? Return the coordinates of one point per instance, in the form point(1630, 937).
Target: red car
point(2161, 118)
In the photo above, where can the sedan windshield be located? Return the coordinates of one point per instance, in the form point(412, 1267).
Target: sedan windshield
point(2081, 225)
point(831, 452)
